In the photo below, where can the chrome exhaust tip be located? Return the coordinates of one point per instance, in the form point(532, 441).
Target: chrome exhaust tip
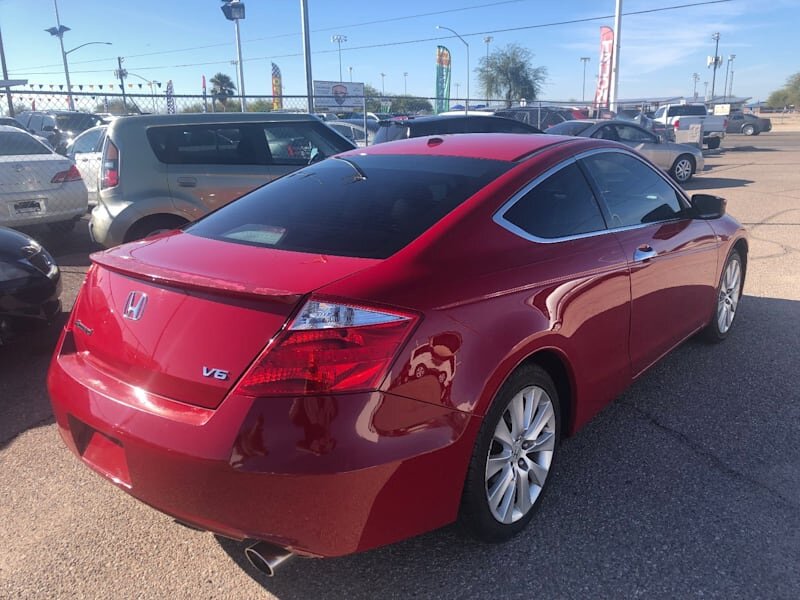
point(267, 557)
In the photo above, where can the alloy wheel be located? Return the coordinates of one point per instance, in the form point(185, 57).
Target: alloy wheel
point(729, 291)
point(683, 170)
point(520, 454)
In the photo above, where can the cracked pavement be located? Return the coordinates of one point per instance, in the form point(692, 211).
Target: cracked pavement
point(687, 486)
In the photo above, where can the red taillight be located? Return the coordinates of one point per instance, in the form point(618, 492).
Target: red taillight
point(676, 124)
point(71, 174)
point(348, 349)
point(109, 174)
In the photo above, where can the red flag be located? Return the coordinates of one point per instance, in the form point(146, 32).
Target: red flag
point(601, 95)
point(204, 82)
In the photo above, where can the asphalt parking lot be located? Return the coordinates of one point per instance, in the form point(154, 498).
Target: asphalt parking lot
point(687, 486)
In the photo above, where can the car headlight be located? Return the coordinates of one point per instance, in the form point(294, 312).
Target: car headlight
point(10, 272)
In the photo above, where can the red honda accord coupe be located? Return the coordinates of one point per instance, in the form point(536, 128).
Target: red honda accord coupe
point(389, 340)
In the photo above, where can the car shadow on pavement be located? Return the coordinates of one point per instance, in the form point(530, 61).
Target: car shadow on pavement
point(749, 149)
point(24, 403)
point(686, 485)
point(703, 183)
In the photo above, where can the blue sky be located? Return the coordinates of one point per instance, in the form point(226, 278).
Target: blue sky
point(184, 40)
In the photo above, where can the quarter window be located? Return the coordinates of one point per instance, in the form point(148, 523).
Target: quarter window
point(633, 192)
point(560, 206)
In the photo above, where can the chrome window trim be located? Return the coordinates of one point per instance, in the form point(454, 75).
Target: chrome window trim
point(509, 226)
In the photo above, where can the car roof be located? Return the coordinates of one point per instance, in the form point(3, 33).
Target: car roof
point(12, 128)
point(202, 118)
point(508, 147)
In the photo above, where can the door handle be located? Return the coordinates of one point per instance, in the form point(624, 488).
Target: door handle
point(83, 159)
point(644, 253)
point(187, 181)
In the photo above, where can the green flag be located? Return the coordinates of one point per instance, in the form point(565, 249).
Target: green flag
point(442, 79)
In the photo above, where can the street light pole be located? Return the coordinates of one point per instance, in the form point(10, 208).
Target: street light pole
point(695, 79)
point(338, 39)
point(405, 83)
point(584, 60)
point(727, 69)
point(59, 31)
point(453, 31)
point(307, 54)
point(351, 74)
point(714, 64)
point(615, 57)
point(234, 11)
point(487, 40)
point(383, 89)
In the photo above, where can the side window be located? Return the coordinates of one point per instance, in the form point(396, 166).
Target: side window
point(87, 142)
point(214, 144)
point(660, 112)
point(633, 134)
point(48, 123)
point(606, 132)
point(35, 123)
point(633, 192)
point(298, 143)
point(562, 205)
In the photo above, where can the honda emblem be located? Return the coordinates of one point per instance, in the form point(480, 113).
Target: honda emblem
point(134, 306)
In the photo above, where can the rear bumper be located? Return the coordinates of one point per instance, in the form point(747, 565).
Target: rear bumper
point(321, 476)
point(65, 203)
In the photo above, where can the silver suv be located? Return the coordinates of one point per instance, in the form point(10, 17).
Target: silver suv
point(159, 172)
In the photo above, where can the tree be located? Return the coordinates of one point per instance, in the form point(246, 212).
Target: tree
point(222, 88)
point(789, 94)
point(508, 73)
point(410, 104)
point(260, 105)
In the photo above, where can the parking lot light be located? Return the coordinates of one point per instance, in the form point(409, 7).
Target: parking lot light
point(234, 11)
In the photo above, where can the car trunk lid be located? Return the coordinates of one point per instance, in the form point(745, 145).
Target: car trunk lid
point(183, 317)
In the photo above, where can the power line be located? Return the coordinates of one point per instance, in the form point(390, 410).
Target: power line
point(284, 35)
point(416, 41)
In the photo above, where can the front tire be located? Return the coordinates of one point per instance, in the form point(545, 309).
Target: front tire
point(683, 168)
point(516, 448)
point(729, 292)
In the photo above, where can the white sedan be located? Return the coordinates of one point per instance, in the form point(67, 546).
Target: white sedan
point(37, 185)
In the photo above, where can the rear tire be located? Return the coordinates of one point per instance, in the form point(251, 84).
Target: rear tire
point(514, 453)
point(729, 292)
point(713, 143)
point(748, 130)
point(683, 168)
point(152, 225)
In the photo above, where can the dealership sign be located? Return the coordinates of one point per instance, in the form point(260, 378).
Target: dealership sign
point(338, 95)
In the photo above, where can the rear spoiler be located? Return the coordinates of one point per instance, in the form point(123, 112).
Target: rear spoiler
point(126, 264)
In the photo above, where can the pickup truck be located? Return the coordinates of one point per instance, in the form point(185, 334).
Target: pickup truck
point(682, 116)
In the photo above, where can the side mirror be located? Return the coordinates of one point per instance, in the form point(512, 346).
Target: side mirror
point(708, 206)
point(48, 128)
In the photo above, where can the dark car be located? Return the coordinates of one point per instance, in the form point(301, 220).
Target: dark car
point(30, 283)
point(538, 116)
point(390, 339)
point(400, 129)
point(747, 124)
point(59, 127)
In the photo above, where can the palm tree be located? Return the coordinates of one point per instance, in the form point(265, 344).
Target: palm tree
point(507, 73)
point(222, 88)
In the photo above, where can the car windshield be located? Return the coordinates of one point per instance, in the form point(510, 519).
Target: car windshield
point(569, 128)
point(390, 131)
point(360, 206)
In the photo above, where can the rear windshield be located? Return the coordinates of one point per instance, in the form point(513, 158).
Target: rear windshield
point(361, 206)
point(18, 144)
point(76, 122)
point(389, 131)
point(569, 128)
point(688, 110)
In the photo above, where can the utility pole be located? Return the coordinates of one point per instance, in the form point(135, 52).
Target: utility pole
point(383, 89)
point(351, 74)
point(487, 40)
point(584, 59)
point(405, 83)
point(705, 90)
point(615, 57)
point(122, 73)
point(5, 76)
point(730, 91)
point(307, 54)
point(338, 39)
point(715, 63)
point(695, 79)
